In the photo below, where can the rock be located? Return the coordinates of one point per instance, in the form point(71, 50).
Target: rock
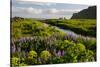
point(89, 13)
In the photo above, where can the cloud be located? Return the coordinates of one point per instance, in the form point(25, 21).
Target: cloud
point(29, 10)
point(51, 11)
point(44, 11)
point(37, 13)
point(34, 2)
point(61, 11)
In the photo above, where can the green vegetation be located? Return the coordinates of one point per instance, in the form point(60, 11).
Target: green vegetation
point(89, 13)
point(33, 42)
point(30, 27)
point(45, 55)
point(86, 27)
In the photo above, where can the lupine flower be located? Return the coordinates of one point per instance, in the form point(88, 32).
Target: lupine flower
point(26, 50)
point(22, 40)
point(63, 53)
point(13, 48)
point(59, 53)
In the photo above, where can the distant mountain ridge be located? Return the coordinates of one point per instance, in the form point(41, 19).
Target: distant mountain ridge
point(89, 13)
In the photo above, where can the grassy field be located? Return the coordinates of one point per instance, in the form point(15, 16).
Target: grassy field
point(30, 27)
point(33, 42)
point(86, 27)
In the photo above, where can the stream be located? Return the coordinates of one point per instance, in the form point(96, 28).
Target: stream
point(69, 32)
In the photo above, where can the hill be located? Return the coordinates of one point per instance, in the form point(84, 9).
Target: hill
point(89, 13)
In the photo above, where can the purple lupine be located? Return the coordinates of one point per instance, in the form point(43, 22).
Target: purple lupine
point(26, 50)
point(31, 38)
point(13, 47)
point(59, 53)
point(74, 38)
point(46, 48)
point(22, 40)
point(63, 53)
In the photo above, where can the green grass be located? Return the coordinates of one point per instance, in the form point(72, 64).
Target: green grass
point(86, 27)
point(30, 27)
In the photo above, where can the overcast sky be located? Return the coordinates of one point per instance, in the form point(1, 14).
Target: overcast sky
point(31, 9)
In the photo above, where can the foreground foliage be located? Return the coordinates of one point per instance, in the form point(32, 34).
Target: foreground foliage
point(34, 42)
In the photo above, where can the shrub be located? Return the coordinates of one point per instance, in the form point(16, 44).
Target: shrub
point(32, 54)
point(15, 61)
point(86, 56)
point(32, 58)
point(45, 55)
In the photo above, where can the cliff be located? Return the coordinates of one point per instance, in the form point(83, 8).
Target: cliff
point(89, 13)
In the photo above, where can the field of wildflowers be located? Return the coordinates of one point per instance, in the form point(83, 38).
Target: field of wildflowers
point(34, 43)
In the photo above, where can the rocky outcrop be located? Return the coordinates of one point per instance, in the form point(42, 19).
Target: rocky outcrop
point(89, 13)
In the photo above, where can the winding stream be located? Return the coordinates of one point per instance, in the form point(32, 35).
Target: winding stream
point(69, 32)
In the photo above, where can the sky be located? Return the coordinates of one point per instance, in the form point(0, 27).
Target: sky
point(31, 9)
